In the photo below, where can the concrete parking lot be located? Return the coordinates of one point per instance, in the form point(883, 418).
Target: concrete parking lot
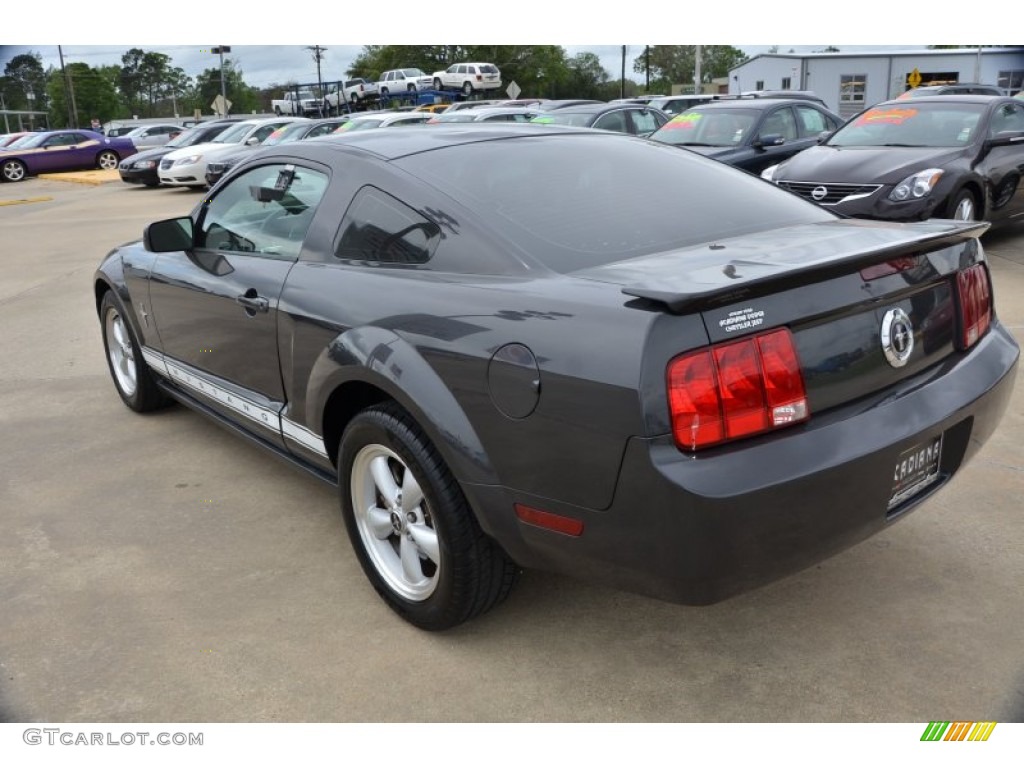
point(158, 569)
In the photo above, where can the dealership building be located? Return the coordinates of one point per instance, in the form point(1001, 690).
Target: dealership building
point(849, 82)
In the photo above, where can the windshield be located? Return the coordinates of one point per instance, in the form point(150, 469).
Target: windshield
point(708, 128)
point(561, 117)
point(235, 134)
point(359, 125)
point(921, 125)
point(197, 134)
point(24, 141)
point(284, 134)
point(414, 73)
point(30, 141)
point(465, 116)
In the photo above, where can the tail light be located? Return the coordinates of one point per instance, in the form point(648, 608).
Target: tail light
point(975, 300)
point(736, 389)
point(479, 77)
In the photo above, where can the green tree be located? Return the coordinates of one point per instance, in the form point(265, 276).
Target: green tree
point(24, 76)
point(95, 96)
point(243, 98)
point(131, 79)
point(676, 63)
point(586, 77)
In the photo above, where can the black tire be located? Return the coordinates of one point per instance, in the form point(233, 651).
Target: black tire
point(467, 88)
point(410, 88)
point(277, 111)
point(145, 395)
point(383, 93)
point(13, 170)
point(963, 206)
point(471, 573)
point(438, 84)
point(107, 160)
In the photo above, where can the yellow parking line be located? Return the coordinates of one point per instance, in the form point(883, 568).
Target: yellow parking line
point(26, 200)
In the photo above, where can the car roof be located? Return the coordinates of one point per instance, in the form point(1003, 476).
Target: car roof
point(759, 103)
point(593, 109)
point(390, 145)
point(949, 98)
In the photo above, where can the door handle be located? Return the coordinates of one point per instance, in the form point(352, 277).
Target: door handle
point(252, 302)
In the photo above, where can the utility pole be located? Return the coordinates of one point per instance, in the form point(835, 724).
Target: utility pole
point(70, 88)
point(222, 49)
point(622, 81)
point(647, 69)
point(318, 55)
point(696, 72)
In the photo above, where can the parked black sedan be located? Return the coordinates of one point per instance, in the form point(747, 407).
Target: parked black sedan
point(959, 157)
point(684, 392)
point(142, 168)
point(636, 119)
point(752, 133)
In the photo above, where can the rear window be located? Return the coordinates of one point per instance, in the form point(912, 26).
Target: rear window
point(489, 69)
point(574, 202)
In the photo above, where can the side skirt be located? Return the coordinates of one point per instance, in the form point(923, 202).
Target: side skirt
point(191, 402)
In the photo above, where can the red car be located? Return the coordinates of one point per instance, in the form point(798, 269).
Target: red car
point(66, 150)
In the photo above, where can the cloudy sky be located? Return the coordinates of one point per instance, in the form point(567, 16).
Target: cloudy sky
point(269, 51)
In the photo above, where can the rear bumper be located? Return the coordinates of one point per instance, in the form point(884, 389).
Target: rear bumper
point(697, 530)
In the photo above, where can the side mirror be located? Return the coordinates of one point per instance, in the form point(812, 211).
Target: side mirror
point(1004, 138)
point(769, 140)
point(252, 141)
point(169, 235)
point(823, 136)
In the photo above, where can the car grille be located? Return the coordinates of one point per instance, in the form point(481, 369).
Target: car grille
point(828, 194)
point(165, 165)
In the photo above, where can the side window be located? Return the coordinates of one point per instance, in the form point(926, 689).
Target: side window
point(811, 122)
point(1007, 117)
point(613, 121)
point(237, 220)
point(60, 140)
point(644, 122)
point(780, 121)
point(380, 229)
point(321, 130)
point(265, 131)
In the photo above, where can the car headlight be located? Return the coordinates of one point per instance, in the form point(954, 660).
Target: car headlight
point(916, 186)
point(188, 160)
point(144, 164)
point(768, 174)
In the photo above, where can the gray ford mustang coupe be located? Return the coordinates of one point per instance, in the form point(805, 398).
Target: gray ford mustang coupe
point(519, 347)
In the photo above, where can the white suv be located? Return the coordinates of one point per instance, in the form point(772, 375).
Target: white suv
point(402, 80)
point(468, 78)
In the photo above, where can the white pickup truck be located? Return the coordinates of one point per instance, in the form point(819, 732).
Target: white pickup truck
point(355, 92)
point(302, 103)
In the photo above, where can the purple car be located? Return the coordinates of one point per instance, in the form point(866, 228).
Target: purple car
point(66, 150)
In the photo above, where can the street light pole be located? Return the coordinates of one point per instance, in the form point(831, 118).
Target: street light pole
point(222, 49)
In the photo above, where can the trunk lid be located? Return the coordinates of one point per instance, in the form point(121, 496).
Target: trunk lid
point(868, 304)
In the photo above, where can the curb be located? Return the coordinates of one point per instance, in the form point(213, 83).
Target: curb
point(94, 178)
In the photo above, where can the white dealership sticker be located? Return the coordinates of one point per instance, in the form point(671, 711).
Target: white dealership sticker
point(742, 320)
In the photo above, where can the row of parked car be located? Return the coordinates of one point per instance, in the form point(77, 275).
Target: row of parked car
point(940, 155)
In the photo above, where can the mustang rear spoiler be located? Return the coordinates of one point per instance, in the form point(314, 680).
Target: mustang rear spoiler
point(740, 279)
